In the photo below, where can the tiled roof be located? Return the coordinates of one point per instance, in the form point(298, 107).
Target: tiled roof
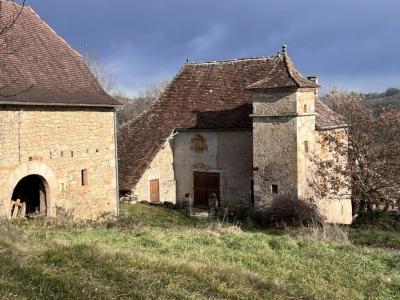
point(283, 74)
point(210, 95)
point(325, 118)
point(39, 67)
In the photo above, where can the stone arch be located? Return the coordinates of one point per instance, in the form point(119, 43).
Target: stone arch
point(25, 170)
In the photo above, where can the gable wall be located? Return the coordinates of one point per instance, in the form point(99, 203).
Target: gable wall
point(228, 153)
point(40, 140)
point(161, 168)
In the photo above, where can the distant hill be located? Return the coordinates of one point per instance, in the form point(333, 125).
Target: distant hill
point(391, 97)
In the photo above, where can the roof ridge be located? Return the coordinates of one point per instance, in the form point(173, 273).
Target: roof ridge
point(233, 60)
point(288, 68)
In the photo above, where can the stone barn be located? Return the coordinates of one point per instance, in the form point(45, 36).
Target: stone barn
point(57, 126)
point(241, 129)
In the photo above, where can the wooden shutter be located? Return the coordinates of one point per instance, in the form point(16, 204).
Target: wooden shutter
point(155, 190)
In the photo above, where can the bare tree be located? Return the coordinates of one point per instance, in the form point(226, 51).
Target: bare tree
point(373, 150)
point(139, 104)
point(132, 107)
point(104, 76)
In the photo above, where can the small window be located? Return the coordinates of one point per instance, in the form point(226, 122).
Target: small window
point(84, 177)
point(274, 189)
point(306, 146)
point(199, 143)
point(305, 108)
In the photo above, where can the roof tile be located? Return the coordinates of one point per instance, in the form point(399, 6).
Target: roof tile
point(39, 67)
point(210, 95)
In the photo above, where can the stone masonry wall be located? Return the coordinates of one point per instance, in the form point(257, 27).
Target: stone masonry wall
point(305, 142)
point(335, 205)
point(58, 143)
point(161, 168)
point(275, 157)
point(274, 145)
point(228, 153)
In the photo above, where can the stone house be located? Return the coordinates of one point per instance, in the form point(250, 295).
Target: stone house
point(57, 126)
point(242, 129)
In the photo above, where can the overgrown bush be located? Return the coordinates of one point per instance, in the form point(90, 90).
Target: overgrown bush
point(287, 209)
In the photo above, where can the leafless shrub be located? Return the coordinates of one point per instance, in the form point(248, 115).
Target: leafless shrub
point(288, 209)
point(373, 149)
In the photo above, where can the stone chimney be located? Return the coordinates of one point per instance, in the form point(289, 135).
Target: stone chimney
point(313, 78)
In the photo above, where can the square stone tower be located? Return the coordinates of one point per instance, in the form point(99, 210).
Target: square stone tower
point(283, 132)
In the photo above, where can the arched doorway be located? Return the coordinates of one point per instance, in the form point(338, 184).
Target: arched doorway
point(35, 168)
point(34, 192)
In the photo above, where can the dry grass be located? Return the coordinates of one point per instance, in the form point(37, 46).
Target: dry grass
point(153, 252)
point(325, 232)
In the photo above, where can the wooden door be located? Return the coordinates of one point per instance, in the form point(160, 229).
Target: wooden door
point(204, 184)
point(155, 190)
point(213, 184)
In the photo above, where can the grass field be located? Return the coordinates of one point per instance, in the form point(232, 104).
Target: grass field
point(156, 253)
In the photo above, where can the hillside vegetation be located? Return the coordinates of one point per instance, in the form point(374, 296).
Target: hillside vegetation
point(155, 253)
point(391, 97)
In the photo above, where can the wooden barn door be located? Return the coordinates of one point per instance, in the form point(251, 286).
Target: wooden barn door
point(154, 190)
point(204, 184)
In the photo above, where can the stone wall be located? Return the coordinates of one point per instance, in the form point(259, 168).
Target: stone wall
point(275, 157)
point(305, 142)
point(161, 168)
point(274, 145)
point(58, 143)
point(228, 153)
point(335, 201)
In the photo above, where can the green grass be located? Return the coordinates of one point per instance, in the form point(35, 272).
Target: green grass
point(156, 253)
point(376, 238)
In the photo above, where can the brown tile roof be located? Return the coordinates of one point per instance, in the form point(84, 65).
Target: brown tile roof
point(39, 67)
point(325, 118)
point(283, 75)
point(209, 95)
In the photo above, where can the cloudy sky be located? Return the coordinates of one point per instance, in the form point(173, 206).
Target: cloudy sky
point(350, 44)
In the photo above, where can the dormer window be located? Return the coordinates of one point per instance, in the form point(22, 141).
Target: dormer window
point(199, 143)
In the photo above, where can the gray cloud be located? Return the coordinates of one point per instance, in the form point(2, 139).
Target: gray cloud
point(352, 44)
